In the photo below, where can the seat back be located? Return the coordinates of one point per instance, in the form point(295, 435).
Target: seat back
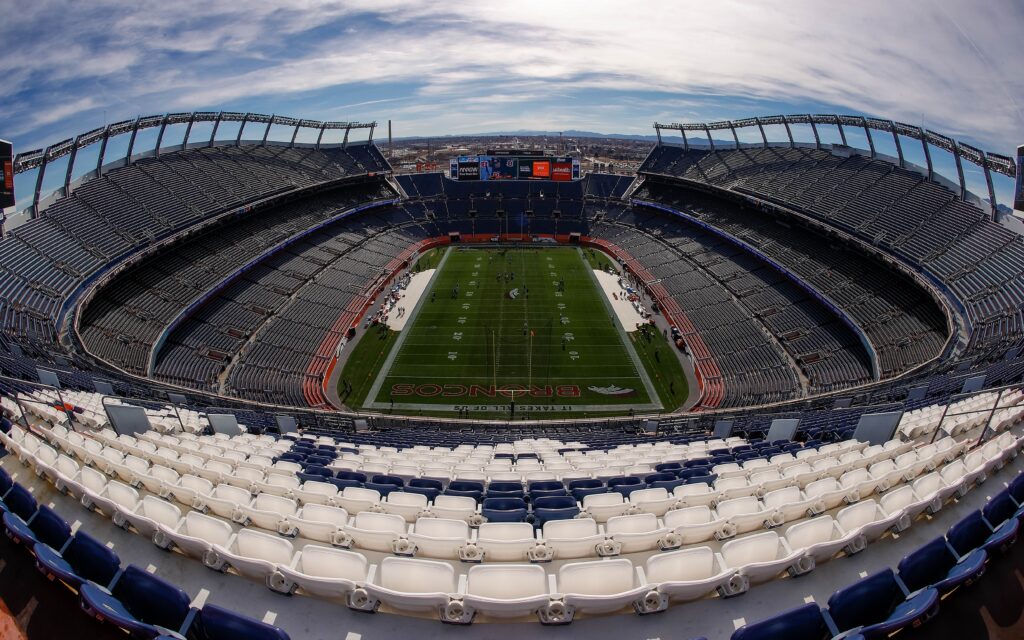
point(218, 623)
point(738, 506)
point(781, 497)
point(407, 499)
point(412, 575)
point(865, 602)
point(897, 499)
point(254, 544)
point(639, 523)
point(152, 599)
point(161, 511)
point(760, 547)
point(569, 529)
point(92, 560)
point(275, 504)
point(968, 534)
point(49, 528)
point(602, 499)
point(686, 565)
point(21, 502)
point(810, 532)
point(442, 528)
point(210, 529)
point(926, 565)
point(371, 521)
point(699, 514)
point(803, 622)
point(505, 531)
point(602, 577)
point(324, 513)
point(232, 493)
point(327, 562)
point(857, 515)
point(507, 581)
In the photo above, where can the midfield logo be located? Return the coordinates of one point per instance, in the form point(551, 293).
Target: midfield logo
point(612, 390)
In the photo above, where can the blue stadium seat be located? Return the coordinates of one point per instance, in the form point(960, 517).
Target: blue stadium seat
point(673, 467)
point(138, 602)
point(351, 475)
point(469, 488)
point(693, 472)
point(802, 623)
point(1001, 508)
point(554, 508)
point(585, 487)
point(83, 558)
point(973, 532)
point(217, 623)
point(878, 605)
point(19, 501)
point(504, 489)
point(341, 483)
point(1016, 488)
point(936, 565)
point(540, 488)
point(625, 485)
point(44, 526)
point(504, 509)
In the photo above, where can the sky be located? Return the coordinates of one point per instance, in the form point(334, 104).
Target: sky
point(481, 66)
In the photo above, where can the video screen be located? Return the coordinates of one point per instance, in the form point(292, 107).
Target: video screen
point(505, 167)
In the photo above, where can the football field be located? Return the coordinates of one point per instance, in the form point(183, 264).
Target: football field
point(521, 325)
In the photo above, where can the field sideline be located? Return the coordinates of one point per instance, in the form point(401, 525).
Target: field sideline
point(523, 322)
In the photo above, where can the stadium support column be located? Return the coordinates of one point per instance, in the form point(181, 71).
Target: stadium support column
point(789, 132)
point(188, 131)
point(103, 151)
point(657, 132)
point(960, 170)
point(241, 129)
point(711, 139)
point(927, 155)
point(216, 125)
point(71, 167)
point(899, 147)
point(842, 131)
point(991, 187)
point(295, 133)
point(320, 136)
point(760, 127)
point(372, 126)
point(160, 135)
point(814, 129)
point(344, 141)
point(39, 183)
point(131, 142)
point(871, 141)
point(735, 137)
point(686, 142)
point(266, 132)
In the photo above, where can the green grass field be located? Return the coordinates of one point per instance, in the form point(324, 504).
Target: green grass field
point(471, 345)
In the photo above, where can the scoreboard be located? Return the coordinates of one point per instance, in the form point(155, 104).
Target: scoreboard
point(514, 167)
point(6, 174)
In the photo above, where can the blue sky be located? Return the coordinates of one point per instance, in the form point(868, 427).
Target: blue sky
point(463, 67)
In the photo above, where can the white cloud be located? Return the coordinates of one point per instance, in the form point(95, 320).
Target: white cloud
point(460, 64)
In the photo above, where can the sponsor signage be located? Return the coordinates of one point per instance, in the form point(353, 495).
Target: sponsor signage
point(512, 167)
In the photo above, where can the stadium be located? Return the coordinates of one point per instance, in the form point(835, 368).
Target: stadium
point(260, 380)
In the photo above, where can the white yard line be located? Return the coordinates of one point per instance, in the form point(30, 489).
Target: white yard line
point(627, 315)
point(410, 296)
